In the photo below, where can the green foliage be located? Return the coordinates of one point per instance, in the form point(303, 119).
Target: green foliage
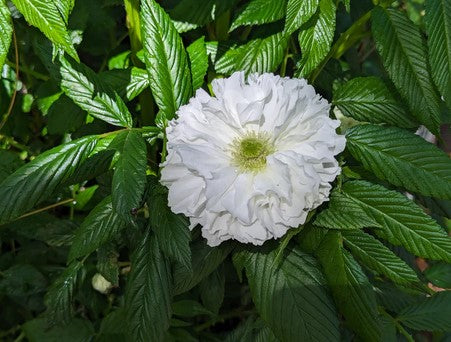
point(403, 53)
point(90, 249)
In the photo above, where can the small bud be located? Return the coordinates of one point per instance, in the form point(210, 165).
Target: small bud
point(99, 283)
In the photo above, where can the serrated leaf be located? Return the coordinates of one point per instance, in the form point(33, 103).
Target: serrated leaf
point(129, 179)
point(204, 261)
point(85, 88)
point(438, 28)
point(315, 39)
point(258, 55)
point(402, 158)
point(252, 330)
point(171, 230)
point(6, 28)
point(149, 292)
point(373, 254)
point(432, 314)
point(292, 295)
point(46, 16)
point(198, 59)
point(59, 296)
point(400, 220)
point(298, 13)
point(257, 12)
point(350, 287)
point(100, 226)
point(401, 47)
point(368, 99)
point(65, 7)
point(107, 263)
point(439, 274)
point(139, 80)
point(166, 60)
point(37, 180)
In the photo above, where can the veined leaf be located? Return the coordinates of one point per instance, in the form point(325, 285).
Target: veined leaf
point(149, 292)
point(35, 181)
point(129, 179)
point(350, 287)
point(316, 38)
point(171, 230)
point(432, 314)
point(65, 7)
point(100, 226)
point(373, 254)
point(258, 55)
point(198, 59)
point(368, 99)
point(6, 28)
point(84, 87)
point(257, 12)
point(59, 296)
point(139, 80)
point(298, 13)
point(291, 295)
point(166, 60)
point(204, 261)
point(252, 330)
point(400, 220)
point(107, 263)
point(190, 13)
point(212, 289)
point(438, 27)
point(46, 16)
point(400, 45)
point(402, 158)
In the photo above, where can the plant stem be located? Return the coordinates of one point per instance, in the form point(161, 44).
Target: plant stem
point(29, 71)
point(13, 97)
point(51, 206)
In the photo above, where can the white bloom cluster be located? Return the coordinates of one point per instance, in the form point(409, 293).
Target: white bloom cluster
point(252, 161)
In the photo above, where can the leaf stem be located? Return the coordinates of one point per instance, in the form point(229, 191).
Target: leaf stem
point(13, 97)
point(51, 206)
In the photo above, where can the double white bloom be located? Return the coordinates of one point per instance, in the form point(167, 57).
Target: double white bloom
point(251, 162)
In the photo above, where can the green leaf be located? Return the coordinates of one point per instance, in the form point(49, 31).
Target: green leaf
point(401, 47)
point(37, 330)
point(438, 28)
point(400, 220)
point(298, 13)
point(139, 80)
point(100, 226)
point(107, 263)
point(129, 179)
point(315, 39)
point(257, 12)
point(369, 99)
point(171, 230)
point(292, 295)
point(198, 59)
point(204, 261)
point(46, 16)
point(439, 274)
point(258, 55)
point(252, 330)
point(149, 292)
point(350, 287)
point(86, 89)
point(166, 60)
point(189, 308)
point(402, 158)
point(60, 294)
point(432, 314)
point(212, 290)
point(6, 28)
point(37, 180)
point(189, 12)
point(65, 7)
point(373, 254)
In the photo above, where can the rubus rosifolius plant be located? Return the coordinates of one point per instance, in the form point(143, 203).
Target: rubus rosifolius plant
point(225, 170)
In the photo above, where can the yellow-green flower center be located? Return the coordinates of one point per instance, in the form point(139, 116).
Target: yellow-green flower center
point(250, 151)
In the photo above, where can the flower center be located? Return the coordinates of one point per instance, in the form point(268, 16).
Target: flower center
point(250, 151)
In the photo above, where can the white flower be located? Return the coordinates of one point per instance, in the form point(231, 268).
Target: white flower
point(251, 162)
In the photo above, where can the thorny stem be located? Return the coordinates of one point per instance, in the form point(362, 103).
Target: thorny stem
point(13, 97)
